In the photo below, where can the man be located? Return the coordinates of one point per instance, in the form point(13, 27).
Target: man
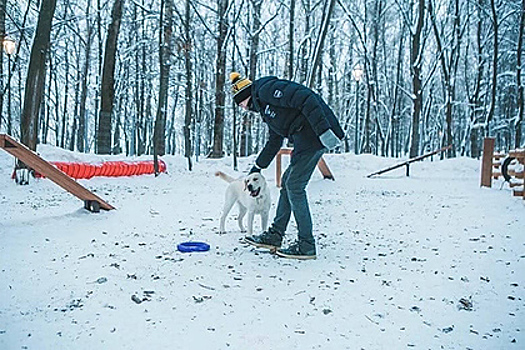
point(295, 112)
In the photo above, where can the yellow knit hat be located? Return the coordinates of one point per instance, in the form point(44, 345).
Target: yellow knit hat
point(241, 87)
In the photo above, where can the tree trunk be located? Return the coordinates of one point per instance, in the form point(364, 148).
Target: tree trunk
point(495, 25)
point(220, 73)
point(82, 122)
point(108, 81)
point(320, 42)
point(394, 118)
point(63, 124)
point(415, 67)
point(159, 134)
point(291, 38)
point(305, 46)
point(2, 35)
point(188, 117)
point(35, 81)
point(519, 118)
point(247, 119)
point(476, 109)
point(448, 67)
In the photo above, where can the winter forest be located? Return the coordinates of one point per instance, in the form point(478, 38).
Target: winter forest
point(141, 77)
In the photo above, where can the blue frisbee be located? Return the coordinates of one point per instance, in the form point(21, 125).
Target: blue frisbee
point(188, 247)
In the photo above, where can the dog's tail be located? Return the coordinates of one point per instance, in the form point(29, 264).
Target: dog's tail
point(224, 176)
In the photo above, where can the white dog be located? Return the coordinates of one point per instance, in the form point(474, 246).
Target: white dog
point(252, 195)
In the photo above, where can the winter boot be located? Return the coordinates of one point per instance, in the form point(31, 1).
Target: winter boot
point(270, 239)
point(296, 250)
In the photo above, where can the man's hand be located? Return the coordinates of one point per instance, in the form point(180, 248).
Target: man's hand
point(329, 140)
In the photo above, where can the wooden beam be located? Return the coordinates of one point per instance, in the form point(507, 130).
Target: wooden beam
point(31, 159)
point(408, 162)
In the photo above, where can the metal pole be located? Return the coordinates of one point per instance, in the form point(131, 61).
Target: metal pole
point(356, 141)
point(9, 125)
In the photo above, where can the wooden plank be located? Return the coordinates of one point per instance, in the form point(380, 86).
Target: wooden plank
point(486, 162)
point(34, 161)
point(517, 153)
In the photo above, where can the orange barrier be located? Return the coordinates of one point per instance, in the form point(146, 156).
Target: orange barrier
point(109, 169)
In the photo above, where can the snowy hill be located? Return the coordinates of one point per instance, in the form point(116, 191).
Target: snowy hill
point(432, 261)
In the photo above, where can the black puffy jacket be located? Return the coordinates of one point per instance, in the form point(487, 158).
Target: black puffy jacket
point(293, 111)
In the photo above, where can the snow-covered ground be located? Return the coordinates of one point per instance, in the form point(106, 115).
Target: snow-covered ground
point(432, 261)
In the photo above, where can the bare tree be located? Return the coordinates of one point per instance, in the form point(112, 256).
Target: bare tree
point(220, 78)
point(34, 88)
point(188, 117)
point(108, 81)
point(306, 42)
point(82, 122)
point(519, 54)
point(416, 61)
point(449, 59)
point(291, 38)
point(493, 90)
point(159, 136)
point(3, 35)
point(320, 41)
point(247, 118)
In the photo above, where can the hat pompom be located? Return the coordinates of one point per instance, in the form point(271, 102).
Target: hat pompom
point(234, 76)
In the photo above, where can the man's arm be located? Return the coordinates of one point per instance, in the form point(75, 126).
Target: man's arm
point(268, 153)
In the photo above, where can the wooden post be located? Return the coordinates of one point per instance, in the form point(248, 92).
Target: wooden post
point(323, 167)
point(486, 162)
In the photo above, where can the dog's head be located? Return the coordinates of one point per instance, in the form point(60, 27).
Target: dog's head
point(254, 183)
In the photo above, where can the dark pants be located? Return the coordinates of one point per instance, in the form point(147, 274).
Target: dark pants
point(293, 197)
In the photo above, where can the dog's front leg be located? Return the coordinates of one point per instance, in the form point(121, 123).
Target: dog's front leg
point(264, 220)
point(228, 204)
point(251, 216)
point(242, 213)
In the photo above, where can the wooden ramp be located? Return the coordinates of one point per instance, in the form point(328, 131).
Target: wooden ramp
point(91, 201)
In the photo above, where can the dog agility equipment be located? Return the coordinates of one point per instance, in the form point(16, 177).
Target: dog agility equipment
point(92, 202)
point(408, 162)
point(323, 167)
point(510, 166)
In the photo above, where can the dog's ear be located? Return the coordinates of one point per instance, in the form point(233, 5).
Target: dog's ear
point(245, 184)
